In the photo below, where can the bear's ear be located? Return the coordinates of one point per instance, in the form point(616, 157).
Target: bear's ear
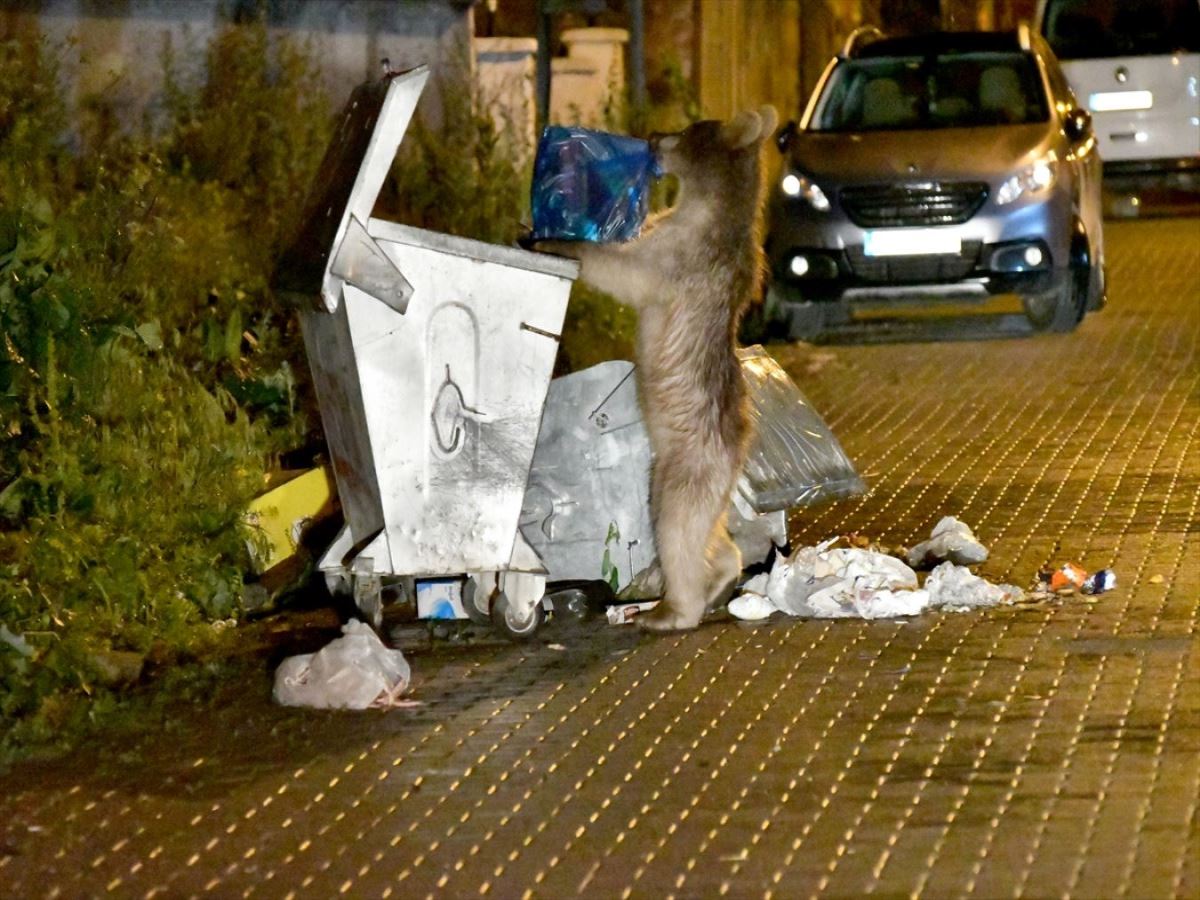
point(742, 130)
point(770, 121)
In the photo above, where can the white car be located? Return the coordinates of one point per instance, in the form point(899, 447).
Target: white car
point(1136, 66)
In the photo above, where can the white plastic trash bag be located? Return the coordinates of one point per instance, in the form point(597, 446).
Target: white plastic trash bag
point(355, 671)
point(951, 540)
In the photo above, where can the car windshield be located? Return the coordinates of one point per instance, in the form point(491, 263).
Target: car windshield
point(948, 91)
point(1092, 29)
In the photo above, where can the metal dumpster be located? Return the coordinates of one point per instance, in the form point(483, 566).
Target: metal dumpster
point(431, 356)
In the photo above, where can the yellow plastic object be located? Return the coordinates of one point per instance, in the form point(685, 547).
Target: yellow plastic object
point(283, 513)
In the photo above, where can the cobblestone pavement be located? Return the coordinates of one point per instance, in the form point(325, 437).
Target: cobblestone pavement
point(1041, 750)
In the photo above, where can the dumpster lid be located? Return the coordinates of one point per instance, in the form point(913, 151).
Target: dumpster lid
point(360, 153)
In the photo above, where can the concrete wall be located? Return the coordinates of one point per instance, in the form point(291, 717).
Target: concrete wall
point(114, 47)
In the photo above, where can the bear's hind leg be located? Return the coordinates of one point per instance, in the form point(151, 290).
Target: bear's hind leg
point(684, 521)
point(724, 567)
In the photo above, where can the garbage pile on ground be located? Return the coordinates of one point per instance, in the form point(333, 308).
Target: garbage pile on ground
point(860, 582)
point(355, 671)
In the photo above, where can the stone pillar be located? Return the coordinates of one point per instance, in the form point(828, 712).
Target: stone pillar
point(505, 69)
point(587, 86)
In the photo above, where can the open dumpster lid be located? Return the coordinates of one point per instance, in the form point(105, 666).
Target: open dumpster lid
point(332, 245)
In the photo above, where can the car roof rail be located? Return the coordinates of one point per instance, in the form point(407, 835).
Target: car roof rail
point(863, 34)
point(1023, 36)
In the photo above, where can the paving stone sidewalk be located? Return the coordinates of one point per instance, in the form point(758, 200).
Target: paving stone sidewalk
point(1048, 749)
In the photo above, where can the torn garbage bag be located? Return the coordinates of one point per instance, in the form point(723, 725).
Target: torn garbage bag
point(355, 671)
point(822, 583)
point(794, 460)
point(590, 185)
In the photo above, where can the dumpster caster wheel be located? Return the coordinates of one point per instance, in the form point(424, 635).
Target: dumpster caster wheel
point(337, 583)
point(514, 624)
point(475, 600)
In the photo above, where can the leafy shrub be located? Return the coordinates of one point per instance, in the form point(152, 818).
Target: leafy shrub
point(145, 371)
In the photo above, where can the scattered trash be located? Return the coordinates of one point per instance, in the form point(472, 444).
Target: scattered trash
point(281, 516)
point(951, 540)
point(956, 588)
point(1154, 579)
point(355, 671)
point(627, 612)
point(795, 459)
point(1068, 576)
point(822, 582)
point(590, 185)
point(1100, 582)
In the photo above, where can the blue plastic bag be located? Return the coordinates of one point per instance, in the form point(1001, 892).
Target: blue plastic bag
point(590, 185)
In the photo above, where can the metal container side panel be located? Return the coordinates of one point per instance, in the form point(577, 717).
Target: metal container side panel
point(453, 392)
point(590, 478)
point(335, 374)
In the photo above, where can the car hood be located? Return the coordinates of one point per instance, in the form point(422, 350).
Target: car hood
point(977, 153)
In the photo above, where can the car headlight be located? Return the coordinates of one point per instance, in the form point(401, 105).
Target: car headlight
point(794, 185)
point(1033, 179)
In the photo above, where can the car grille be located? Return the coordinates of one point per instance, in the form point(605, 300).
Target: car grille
point(900, 269)
point(929, 203)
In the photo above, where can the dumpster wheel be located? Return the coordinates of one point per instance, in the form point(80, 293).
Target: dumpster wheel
point(509, 621)
point(476, 602)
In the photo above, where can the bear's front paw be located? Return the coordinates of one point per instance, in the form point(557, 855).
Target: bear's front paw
point(570, 249)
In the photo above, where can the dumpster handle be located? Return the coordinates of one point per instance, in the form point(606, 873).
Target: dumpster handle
point(525, 326)
point(452, 409)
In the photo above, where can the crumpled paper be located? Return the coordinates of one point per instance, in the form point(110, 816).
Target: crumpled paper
point(822, 583)
point(950, 540)
point(355, 671)
point(956, 588)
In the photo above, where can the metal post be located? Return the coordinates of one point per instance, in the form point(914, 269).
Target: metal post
point(637, 54)
point(543, 64)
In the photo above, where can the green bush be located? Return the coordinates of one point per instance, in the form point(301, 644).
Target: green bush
point(146, 372)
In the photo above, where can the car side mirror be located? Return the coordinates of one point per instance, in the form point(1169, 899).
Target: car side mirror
point(1078, 124)
point(785, 136)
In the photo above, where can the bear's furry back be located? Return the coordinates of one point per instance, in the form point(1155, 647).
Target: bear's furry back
point(710, 263)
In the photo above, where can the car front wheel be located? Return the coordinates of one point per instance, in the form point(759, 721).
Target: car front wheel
point(1062, 308)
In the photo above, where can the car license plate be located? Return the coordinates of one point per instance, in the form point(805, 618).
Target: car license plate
point(1119, 101)
point(911, 242)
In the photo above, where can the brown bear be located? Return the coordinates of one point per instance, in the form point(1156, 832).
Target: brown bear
point(691, 275)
